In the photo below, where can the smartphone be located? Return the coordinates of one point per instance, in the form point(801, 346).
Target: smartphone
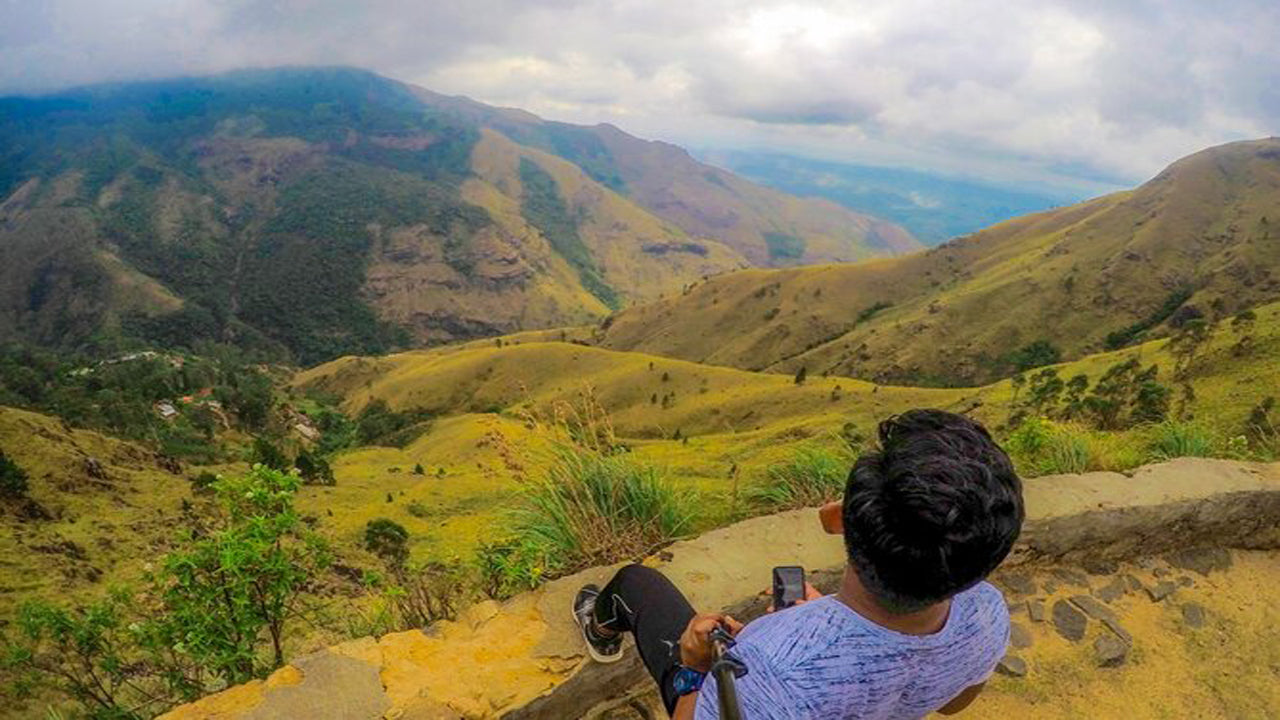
point(788, 586)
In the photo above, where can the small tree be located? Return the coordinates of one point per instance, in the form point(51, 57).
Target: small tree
point(314, 469)
point(801, 375)
point(238, 585)
point(13, 479)
point(388, 540)
point(419, 470)
point(267, 454)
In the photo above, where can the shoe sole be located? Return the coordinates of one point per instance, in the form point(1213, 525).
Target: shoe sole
point(591, 650)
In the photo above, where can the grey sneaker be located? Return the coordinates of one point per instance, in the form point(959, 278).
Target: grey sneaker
point(602, 649)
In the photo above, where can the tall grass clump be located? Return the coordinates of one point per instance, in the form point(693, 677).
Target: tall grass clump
point(1174, 439)
point(812, 476)
point(593, 504)
point(1040, 447)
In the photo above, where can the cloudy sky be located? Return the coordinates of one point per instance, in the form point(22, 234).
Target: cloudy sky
point(1084, 93)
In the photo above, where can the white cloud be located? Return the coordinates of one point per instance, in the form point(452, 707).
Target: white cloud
point(1050, 90)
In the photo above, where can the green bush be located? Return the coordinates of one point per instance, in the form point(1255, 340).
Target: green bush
point(1173, 439)
point(588, 508)
point(812, 476)
point(388, 540)
point(13, 479)
point(234, 588)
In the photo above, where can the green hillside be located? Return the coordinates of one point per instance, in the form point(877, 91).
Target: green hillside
point(1197, 241)
point(311, 213)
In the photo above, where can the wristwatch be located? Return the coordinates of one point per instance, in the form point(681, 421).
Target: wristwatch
point(687, 681)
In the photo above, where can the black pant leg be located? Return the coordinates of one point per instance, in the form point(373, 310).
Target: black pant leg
point(642, 601)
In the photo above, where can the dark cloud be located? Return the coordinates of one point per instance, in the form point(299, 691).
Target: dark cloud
point(1068, 90)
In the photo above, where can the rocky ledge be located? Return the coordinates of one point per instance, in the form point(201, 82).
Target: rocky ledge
point(1096, 549)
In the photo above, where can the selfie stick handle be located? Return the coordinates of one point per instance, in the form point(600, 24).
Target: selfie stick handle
point(726, 670)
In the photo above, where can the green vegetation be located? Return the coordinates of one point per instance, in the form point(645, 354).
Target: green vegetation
point(1133, 333)
point(1034, 355)
point(587, 508)
point(388, 540)
point(123, 395)
point(544, 208)
point(813, 475)
point(217, 611)
point(1173, 439)
point(13, 479)
point(871, 311)
point(783, 246)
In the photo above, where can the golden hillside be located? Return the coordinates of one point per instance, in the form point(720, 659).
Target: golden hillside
point(731, 424)
point(768, 227)
point(1200, 235)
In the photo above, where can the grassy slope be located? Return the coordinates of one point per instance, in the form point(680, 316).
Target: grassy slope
point(482, 442)
point(731, 417)
point(1070, 276)
point(703, 201)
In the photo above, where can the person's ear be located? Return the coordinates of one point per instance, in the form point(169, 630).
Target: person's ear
point(832, 517)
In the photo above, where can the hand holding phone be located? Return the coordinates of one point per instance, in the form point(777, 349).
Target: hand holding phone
point(788, 586)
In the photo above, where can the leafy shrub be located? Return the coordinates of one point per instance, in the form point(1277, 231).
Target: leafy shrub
point(378, 424)
point(1034, 355)
point(1174, 439)
point(417, 509)
point(1131, 334)
point(13, 479)
point(811, 476)
point(204, 481)
point(388, 540)
point(267, 454)
point(314, 469)
point(236, 586)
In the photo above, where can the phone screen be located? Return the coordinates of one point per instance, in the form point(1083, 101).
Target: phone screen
point(788, 586)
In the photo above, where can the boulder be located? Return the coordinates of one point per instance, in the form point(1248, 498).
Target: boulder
point(1110, 651)
point(1068, 621)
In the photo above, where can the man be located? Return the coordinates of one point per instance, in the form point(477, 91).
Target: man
point(913, 629)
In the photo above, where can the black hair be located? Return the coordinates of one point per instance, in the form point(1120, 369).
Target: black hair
point(932, 511)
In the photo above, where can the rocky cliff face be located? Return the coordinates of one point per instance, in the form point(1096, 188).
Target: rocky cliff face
point(1129, 595)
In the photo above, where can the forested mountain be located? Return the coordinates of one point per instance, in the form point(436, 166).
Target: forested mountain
point(310, 213)
point(1197, 241)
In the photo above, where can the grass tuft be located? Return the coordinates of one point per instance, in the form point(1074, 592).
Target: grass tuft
point(812, 476)
point(1174, 439)
point(588, 508)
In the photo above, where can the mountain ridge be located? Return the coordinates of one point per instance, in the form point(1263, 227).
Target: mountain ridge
point(1080, 278)
point(317, 212)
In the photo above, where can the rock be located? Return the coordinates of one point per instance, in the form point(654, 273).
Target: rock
point(1018, 583)
point(1068, 621)
point(1101, 567)
point(1193, 615)
point(93, 468)
point(480, 613)
point(1019, 636)
point(1013, 666)
point(1050, 587)
point(1103, 614)
point(1071, 577)
point(1184, 581)
point(1110, 651)
point(1035, 610)
point(1161, 590)
point(1112, 590)
point(1093, 607)
point(1162, 572)
point(1135, 585)
point(1200, 560)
